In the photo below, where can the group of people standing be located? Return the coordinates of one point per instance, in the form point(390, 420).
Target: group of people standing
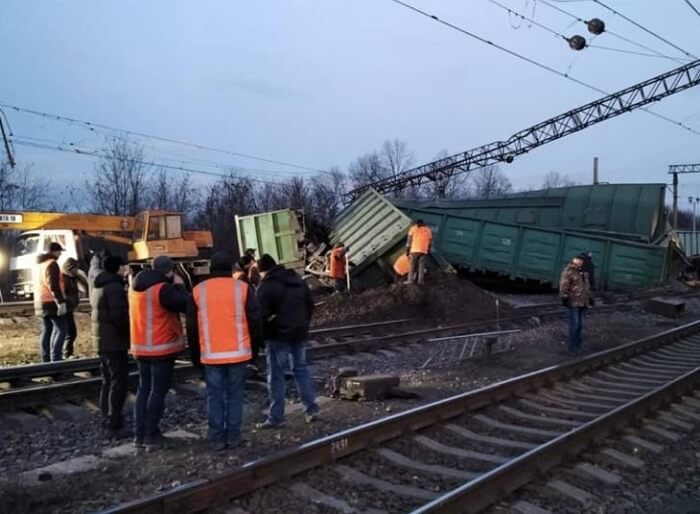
point(228, 319)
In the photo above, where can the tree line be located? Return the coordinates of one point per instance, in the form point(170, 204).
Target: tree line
point(122, 183)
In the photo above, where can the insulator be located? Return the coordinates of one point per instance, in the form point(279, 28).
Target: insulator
point(596, 26)
point(577, 43)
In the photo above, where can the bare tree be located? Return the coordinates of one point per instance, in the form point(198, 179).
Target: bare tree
point(21, 190)
point(120, 179)
point(396, 157)
point(367, 169)
point(490, 182)
point(449, 188)
point(556, 179)
point(176, 193)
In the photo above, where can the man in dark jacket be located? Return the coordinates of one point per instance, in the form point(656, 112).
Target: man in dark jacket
point(155, 372)
point(110, 335)
point(50, 304)
point(589, 268)
point(72, 293)
point(286, 307)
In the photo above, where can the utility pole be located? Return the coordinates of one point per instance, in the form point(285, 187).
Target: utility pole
point(8, 145)
point(694, 241)
point(675, 169)
point(595, 171)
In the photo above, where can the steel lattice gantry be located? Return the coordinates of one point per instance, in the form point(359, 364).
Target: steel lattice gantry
point(610, 106)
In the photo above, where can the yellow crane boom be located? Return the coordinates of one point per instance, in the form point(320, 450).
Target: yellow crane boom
point(60, 220)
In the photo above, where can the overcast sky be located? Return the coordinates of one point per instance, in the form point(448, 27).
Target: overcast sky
point(321, 82)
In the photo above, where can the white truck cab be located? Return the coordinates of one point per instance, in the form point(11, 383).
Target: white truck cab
point(28, 246)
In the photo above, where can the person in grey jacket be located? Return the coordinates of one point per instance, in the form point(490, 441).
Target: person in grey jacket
point(110, 334)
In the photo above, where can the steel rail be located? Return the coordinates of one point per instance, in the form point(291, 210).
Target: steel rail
point(202, 494)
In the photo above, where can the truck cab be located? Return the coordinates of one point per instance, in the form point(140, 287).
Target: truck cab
point(28, 246)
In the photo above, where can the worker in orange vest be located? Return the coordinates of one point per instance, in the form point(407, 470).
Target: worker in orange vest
point(337, 266)
point(155, 304)
point(224, 324)
point(418, 245)
point(50, 304)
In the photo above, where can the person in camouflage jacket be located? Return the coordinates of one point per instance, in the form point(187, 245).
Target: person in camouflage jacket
point(575, 294)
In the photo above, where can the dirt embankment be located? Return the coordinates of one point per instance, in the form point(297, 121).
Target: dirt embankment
point(444, 298)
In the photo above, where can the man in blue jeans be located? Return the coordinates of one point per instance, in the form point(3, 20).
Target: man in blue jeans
point(50, 304)
point(223, 327)
point(286, 307)
point(574, 291)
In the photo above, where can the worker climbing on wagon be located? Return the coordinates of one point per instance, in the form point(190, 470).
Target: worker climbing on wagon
point(418, 245)
point(71, 291)
point(155, 304)
point(338, 266)
point(50, 304)
point(223, 327)
point(574, 291)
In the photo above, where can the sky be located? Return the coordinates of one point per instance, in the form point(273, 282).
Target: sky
point(319, 83)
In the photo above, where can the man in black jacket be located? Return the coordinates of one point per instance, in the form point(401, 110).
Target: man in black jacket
point(286, 307)
point(110, 334)
point(71, 291)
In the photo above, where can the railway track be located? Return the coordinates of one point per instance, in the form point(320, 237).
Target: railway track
point(464, 453)
point(29, 386)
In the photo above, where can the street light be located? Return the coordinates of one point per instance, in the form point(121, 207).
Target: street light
point(694, 241)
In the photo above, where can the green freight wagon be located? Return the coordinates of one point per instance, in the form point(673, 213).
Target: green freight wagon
point(278, 233)
point(539, 254)
point(375, 232)
point(623, 211)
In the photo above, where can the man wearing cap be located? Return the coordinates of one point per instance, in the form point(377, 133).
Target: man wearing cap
point(155, 304)
point(50, 304)
point(223, 327)
point(418, 244)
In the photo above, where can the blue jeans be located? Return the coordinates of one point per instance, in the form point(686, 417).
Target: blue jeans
point(53, 332)
point(575, 328)
point(225, 387)
point(155, 377)
point(278, 353)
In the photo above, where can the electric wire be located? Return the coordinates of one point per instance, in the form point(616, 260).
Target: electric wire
point(93, 126)
point(695, 9)
point(642, 27)
point(613, 34)
point(565, 38)
point(535, 63)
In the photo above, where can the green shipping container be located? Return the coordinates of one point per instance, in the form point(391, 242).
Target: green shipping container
point(277, 233)
point(375, 233)
point(522, 252)
point(631, 211)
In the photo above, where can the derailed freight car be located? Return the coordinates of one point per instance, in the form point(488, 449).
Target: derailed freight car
point(524, 252)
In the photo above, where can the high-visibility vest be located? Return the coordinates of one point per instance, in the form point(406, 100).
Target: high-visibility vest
point(336, 267)
point(155, 331)
point(224, 336)
point(402, 265)
point(421, 237)
point(43, 282)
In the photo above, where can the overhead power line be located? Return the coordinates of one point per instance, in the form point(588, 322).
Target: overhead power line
point(611, 33)
point(535, 63)
point(645, 29)
point(99, 154)
point(695, 9)
point(566, 38)
point(92, 126)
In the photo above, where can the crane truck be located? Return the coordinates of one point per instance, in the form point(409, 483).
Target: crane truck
point(138, 239)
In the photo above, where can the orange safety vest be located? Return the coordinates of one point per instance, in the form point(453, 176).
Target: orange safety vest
point(421, 237)
point(337, 267)
point(44, 282)
point(224, 336)
point(155, 331)
point(402, 265)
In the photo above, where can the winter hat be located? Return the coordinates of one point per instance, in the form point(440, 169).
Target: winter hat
point(163, 263)
point(266, 262)
point(55, 247)
point(221, 262)
point(70, 265)
point(112, 263)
